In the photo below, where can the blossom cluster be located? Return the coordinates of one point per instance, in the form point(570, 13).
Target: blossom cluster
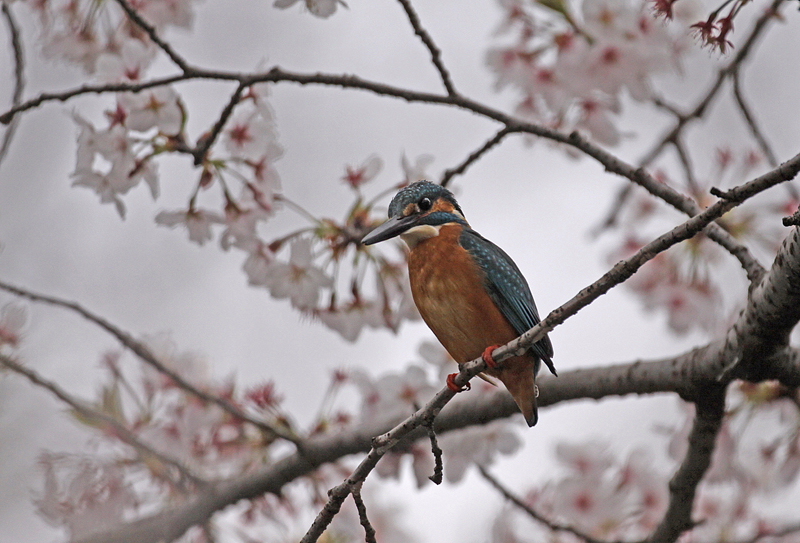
point(181, 439)
point(571, 71)
point(610, 498)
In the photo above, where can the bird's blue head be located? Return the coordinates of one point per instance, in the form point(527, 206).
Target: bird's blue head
point(418, 205)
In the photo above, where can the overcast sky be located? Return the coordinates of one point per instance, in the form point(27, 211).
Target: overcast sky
point(531, 200)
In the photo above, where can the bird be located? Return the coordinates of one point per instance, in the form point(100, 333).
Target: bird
point(468, 291)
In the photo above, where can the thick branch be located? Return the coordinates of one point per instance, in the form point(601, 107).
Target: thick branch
point(683, 485)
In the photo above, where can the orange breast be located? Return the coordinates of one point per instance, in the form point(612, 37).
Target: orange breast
point(449, 293)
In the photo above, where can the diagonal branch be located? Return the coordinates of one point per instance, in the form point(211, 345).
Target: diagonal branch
point(119, 430)
point(626, 268)
point(436, 54)
point(750, 120)
point(19, 75)
point(475, 155)
point(208, 139)
point(152, 33)
point(140, 350)
point(683, 485)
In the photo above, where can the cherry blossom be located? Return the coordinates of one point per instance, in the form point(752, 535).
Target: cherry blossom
point(477, 445)
point(13, 318)
point(571, 73)
point(84, 495)
point(197, 222)
point(392, 395)
point(250, 136)
point(299, 279)
point(367, 171)
point(126, 65)
point(416, 171)
point(153, 108)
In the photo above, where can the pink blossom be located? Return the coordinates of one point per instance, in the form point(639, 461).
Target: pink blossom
point(197, 221)
point(357, 176)
point(349, 319)
point(258, 265)
point(153, 108)
point(477, 445)
point(299, 279)
point(589, 459)
point(13, 318)
point(249, 135)
point(416, 171)
point(162, 13)
point(128, 64)
point(392, 395)
point(84, 495)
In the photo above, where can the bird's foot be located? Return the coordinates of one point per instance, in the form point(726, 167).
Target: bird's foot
point(487, 356)
point(451, 384)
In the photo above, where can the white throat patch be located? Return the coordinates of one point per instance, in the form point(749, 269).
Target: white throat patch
point(414, 235)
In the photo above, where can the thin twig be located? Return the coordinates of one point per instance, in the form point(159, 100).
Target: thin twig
point(369, 531)
point(152, 33)
point(19, 76)
point(438, 465)
point(208, 139)
point(436, 54)
point(475, 155)
point(731, 68)
point(535, 515)
point(683, 156)
point(111, 424)
point(140, 350)
point(750, 120)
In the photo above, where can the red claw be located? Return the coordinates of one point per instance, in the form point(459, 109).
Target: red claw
point(487, 356)
point(451, 384)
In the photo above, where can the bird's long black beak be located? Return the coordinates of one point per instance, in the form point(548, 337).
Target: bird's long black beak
point(391, 228)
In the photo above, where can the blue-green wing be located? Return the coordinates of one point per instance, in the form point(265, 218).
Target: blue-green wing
point(508, 289)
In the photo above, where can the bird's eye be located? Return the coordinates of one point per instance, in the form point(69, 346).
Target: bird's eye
point(425, 204)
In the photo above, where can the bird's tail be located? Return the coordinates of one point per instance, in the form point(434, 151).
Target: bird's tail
point(520, 380)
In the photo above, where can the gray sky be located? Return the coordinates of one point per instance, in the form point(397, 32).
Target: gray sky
point(531, 200)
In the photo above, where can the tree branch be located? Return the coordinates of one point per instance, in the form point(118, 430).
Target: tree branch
point(750, 120)
point(19, 75)
point(683, 485)
point(436, 54)
point(140, 350)
point(475, 155)
point(152, 33)
point(730, 69)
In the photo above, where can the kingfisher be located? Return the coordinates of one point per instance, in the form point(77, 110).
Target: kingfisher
point(467, 289)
